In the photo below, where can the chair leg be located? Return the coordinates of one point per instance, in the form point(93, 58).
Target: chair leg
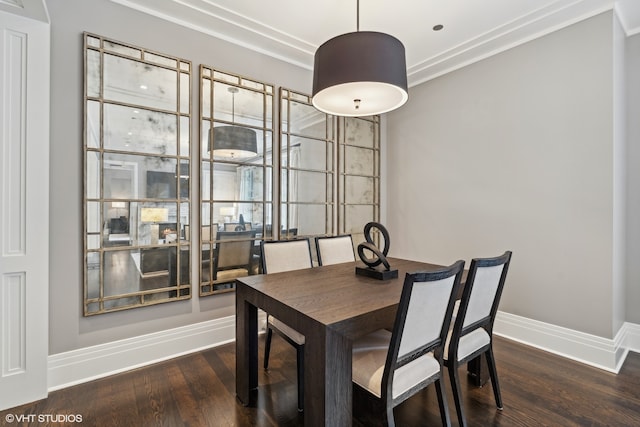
point(300, 362)
point(455, 387)
point(493, 374)
point(442, 402)
point(388, 414)
point(267, 347)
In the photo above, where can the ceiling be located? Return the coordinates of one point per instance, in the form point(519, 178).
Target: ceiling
point(292, 30)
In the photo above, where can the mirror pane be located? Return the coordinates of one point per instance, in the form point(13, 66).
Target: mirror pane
point(93, 241)
point(185, 135)
point(161, 60)
point(205, 99)
point(356, 217)
point(92, 137)
point(93, 217)
point(157, 223)
point(359, 132)
point(140, 130)
point(93, 73)
point(92, 182)
point(185, 93)
point(358, 161)
point(359, 189)
point(93, 279)
point(308, 220)
point(238, 105)
point(305, 153)
point(134, 82)
point(309, 187)
point(307, 121)
point(124, 50)
point(93, 41)
point(134, 270)
point(122, 178)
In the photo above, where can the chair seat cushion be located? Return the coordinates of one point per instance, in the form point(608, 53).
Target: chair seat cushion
point(296, 336)
point(231, 274)
point(469, 343)
point(369, 357)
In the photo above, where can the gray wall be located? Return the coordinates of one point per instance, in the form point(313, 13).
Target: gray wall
point(516, 152)
point(633, 171)
point(69, 18)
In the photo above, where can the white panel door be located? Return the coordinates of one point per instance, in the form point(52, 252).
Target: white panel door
point(24, 209)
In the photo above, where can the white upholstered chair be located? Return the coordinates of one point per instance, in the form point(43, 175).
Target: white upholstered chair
point(334, 249)
point(471, 334)
point(393, 366)
point(279, 256)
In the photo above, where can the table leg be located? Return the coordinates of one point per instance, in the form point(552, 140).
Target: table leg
point(327, 376)
point(246, 348)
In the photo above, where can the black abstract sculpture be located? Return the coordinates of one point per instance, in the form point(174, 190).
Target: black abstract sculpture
point(378, 266)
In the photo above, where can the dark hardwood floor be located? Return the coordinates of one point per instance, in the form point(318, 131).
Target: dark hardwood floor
point(538, 389)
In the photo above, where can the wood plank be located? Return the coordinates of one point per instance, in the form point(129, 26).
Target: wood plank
point(538, 388)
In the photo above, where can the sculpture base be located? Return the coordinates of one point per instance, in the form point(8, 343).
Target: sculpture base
point(377, 273)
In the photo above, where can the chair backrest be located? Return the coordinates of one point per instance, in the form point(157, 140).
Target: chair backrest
point(235, 253)
point(236, 226)
point(285, 255)
point(482, 292)
point(288, 234)
point(335, 249)
point(423, 317)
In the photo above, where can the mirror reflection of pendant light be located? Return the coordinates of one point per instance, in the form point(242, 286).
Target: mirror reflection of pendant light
point(233, 141)
point(360, 74)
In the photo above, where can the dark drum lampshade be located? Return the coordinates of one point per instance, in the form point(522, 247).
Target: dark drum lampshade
point(360, 74)
point(233, 141)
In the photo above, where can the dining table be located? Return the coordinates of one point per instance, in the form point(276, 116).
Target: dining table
point(331, 306)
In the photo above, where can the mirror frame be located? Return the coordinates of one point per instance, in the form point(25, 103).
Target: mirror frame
point(94, 198)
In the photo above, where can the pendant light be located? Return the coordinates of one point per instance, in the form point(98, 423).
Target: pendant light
point(360, 74)
point(233, 141)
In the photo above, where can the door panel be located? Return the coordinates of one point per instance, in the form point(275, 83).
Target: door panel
point(24, 209)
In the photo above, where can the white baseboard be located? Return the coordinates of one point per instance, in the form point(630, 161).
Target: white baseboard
point(603, 353)
point(90, 363)
point(632, 338)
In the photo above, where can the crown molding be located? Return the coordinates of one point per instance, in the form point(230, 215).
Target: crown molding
point(33, 9)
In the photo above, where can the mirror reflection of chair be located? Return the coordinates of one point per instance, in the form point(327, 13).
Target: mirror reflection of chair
point(335, 249)
point(237, 226)
point(279, 256)
point(291, 233)
point(390, 367)
point(472, 332)
point(233, 254)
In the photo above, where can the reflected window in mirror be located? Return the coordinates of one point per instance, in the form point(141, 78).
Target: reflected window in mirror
point(236, 177)
point(307, 168)
point(359, 175)
point(136, 186)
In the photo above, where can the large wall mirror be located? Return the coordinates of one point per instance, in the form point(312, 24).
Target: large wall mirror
point(315, 147)
point(136, 176)
point(307, 163)
point(236, 177)
point(359, 175)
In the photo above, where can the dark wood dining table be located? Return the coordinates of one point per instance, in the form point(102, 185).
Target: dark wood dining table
point(331, 306)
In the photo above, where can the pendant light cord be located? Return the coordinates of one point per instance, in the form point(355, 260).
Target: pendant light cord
point(358, 15)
